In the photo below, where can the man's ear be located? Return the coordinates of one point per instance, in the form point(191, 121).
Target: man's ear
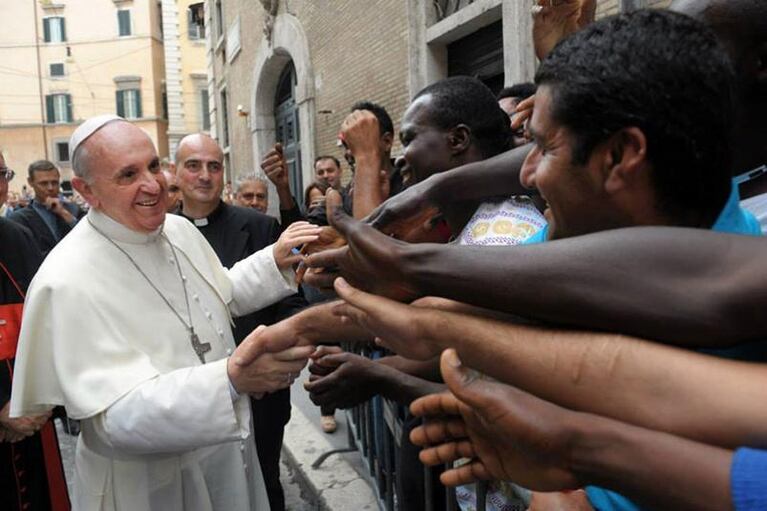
point(459, 139)
point(84, 188)
point(387, 141)
point(626, 159)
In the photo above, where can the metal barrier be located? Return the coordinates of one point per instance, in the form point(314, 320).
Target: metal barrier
point(375, 430)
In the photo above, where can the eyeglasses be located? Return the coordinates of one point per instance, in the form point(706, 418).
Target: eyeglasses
point(6, 174)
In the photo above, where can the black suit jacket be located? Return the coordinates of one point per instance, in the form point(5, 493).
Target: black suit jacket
point(32, 220)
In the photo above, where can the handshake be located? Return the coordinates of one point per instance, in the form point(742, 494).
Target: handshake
point(259, 366)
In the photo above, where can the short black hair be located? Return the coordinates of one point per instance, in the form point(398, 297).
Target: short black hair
point(384, 120)
point(466, 100)
point(518, 90)
point(40, 166)
point(327, 157)
point(666, 74)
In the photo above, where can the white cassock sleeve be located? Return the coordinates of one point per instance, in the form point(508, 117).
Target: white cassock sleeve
point(257, 282)
point(178, 411)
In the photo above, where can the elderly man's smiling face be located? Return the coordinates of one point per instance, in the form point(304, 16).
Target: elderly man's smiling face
point(124, 179)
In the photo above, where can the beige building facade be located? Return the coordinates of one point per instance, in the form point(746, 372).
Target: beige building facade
point(64, 61)
point(186, 80)
point(290, 71)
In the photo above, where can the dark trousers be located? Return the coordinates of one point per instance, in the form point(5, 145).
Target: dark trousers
point(270, 414)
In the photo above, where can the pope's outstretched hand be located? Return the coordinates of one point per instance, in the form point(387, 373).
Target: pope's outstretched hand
point(296, 235)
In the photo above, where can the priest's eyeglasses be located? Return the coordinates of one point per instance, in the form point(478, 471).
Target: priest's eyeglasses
point(6, 174)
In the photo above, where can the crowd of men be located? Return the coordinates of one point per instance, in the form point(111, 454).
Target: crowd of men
point(561, 282)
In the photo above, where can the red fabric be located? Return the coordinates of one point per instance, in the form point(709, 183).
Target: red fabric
point(10, 321)
point(57, 486)
point(10, 324)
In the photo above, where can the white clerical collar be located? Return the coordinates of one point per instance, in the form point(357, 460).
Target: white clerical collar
point(118, 232)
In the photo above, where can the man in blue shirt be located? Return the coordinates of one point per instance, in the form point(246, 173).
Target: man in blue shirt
point(48, 216)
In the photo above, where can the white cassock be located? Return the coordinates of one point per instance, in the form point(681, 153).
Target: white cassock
point(160, 430)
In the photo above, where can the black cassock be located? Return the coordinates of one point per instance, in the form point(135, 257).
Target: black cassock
point(235, 233)
point(31, 475)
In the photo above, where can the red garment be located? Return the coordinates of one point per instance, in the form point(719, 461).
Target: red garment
point(31, 473)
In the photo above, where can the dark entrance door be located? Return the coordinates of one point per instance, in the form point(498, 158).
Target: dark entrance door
point(479, 54)
point(287, 127)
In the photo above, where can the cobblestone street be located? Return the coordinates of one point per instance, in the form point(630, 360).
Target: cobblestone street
point(295, 500)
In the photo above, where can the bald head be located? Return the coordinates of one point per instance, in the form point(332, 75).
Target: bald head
point(197, 142)
point(741, 26)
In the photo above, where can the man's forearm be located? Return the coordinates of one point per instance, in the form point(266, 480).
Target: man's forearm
point(404, 388)
point(426, 369)
point(683, 286)
point(492, 177)
point(709, 399)
point(655, 469)
point(367, 184)
point(318, 324)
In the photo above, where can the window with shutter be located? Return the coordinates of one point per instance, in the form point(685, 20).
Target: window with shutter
point(196, 21)
point(204, 110)
point(54, 30)
point(119, 101)
point(129, 103)
point(57, 69)
point(58, 108)
point(123, 22)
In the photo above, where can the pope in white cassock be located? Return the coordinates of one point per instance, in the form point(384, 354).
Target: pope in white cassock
point(127, 324)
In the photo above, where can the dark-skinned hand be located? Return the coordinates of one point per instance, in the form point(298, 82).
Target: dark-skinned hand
point(371, 260)
point(414, 208)
point(401, 328)
point(275, 167)
point(268, 339)
point(340, 379)
point(508, 434)
point(329, 238)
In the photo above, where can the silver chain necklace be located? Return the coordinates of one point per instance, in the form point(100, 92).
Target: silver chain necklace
point(200, 348)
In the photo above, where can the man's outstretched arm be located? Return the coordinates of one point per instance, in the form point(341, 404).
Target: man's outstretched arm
point(704, 398)
point(474, 181)
point(685, 286)
point(509, 434)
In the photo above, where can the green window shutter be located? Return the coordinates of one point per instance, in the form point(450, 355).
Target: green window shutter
point(69, 107)
point(123, 22)
point(120, 103)
point(47, 30)
point(49, 111)
point(63, 29)
point(138, 104)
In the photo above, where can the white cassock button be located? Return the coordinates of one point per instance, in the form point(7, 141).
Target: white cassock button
point(229, 351)
point(220, 333)
point(208, 314)
point(242, 446)
point(196, 297)
point(183, 277)
point(245, 466)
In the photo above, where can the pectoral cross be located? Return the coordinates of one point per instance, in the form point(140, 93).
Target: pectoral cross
point(201, 348)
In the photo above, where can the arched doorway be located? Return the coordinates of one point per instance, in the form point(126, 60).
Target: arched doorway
point(287, 127)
